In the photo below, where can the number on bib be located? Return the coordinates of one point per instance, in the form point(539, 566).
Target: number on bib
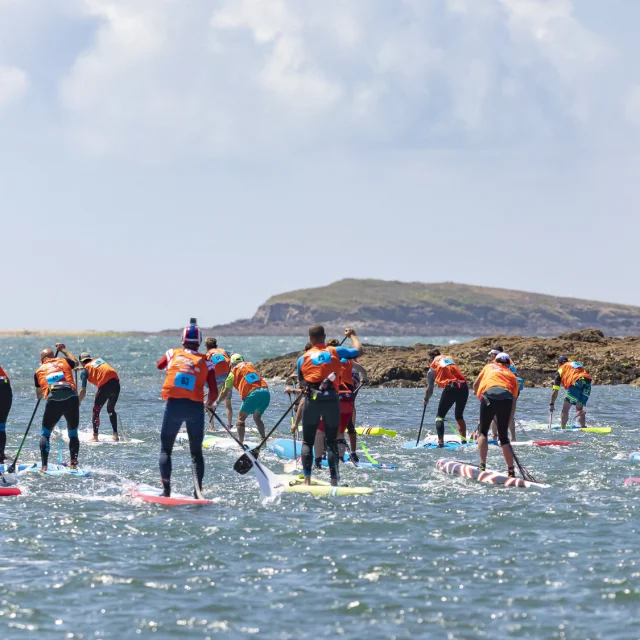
point(52, 378)
point(185, 381)
point(252, 378)
point(321, 358)
point(445, 362)
point(217, 358)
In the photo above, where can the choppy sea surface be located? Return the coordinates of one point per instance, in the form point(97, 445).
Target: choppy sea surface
point(424, 556)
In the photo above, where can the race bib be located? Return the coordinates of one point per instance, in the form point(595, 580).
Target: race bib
point(185, 381)
point(577, 365)
point(445, 362)
point(97, 362)
point(252, 378)
point(217, 358)
point(52, 378)
point(321, 358)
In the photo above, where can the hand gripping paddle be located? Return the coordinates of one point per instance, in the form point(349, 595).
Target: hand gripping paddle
point(244, 463)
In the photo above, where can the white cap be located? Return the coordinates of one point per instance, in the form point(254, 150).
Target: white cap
point(503, 357)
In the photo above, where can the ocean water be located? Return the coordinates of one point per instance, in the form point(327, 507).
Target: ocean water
point(424, 556)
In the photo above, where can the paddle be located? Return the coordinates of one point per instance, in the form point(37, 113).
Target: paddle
point(12, 468)
point(268, 481)
point(295, 435)
point(243, 464)
point(368, 455)
point(124, 435)
point(424, 410)
point(550, 418)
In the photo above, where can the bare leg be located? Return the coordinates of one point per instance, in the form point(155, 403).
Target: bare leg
point(462, 428)
point(483, 448)
point(318, 447)
point(494, 429)
point(564, 416)
point(227, 404)
point(341, 447)
point(582, 415)
point(257, 418)
point(242, 416)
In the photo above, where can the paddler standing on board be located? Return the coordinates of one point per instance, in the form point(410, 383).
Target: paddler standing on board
point(319, 374)
point(352, 375)
point(512, 425)
point(187, 373)
point(6, 400)
point(221, 361)
point(496, 387)
point(254, 393)
point(444, 372)
point(54, 381)
point(104, 376)
point(573, 377)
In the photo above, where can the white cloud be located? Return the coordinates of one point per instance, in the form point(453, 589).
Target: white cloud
point(13, 85)
point(163, 78)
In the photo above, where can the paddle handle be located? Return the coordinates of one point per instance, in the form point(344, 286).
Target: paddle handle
point(424, 410)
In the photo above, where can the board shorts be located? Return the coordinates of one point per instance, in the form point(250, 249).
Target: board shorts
point(220, 380)
point(257, 401)
point(579, 392)
point(346, 415)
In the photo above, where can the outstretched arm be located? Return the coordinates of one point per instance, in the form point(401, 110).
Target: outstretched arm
point(431, 376)
point(350, 333)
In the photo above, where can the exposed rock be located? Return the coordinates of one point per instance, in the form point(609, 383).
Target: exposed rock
point(607, 360)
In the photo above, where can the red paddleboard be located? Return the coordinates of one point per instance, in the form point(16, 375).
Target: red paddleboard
point(10, 491)
point(147, 493)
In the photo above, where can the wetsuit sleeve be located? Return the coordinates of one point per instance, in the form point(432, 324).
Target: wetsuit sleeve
point(163, 362)
point(213, 386)
point(299, 368)
point(431, 377)
point(228, 383)
point(557, 383)
point(84, 377)
point(35, 379)
point(71, 363)
point(347, 353)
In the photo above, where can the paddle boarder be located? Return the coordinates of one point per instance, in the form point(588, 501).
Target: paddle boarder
point(6, 400)
point(512, 425)
point(54, 381)
point(221, 360)
point(187, 373)
point(254, 393)
point(352, 376)
point(319, 375)
point(105, 377)
point(573, 377)
point(444, 372)
point(496, 387)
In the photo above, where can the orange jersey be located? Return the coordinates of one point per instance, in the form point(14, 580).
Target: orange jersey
point(446, 371)
point(186, 375)
point(319, 363)
point(571, 372)
point(3, 376)
point(99, 372)
point(495, 374)
point(347, 382)
point(246, 379)
point(221, 360)
point(54, 373)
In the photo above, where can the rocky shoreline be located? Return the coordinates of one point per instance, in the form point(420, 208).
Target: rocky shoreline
point(608, 360)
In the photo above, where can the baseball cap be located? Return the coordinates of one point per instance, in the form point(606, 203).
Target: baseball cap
point(236, 357)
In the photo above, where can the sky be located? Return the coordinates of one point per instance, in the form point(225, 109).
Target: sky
point(162, 159)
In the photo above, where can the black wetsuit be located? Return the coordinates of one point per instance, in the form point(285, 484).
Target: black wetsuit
point(496, 403)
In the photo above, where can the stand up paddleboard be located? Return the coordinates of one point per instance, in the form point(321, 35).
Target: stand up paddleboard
point(600, 430)
point(371, 431)
point(217, 442)
point(283, 448)
point(295, 484)
point(631, 481)
point(20, 468)
point(86, 436)
point(52, 470)
point(465, 470)
point(6, 490)
point(634, 457)
point(147, 493)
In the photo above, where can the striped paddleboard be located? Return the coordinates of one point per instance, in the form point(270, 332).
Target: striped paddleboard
point(465, 470)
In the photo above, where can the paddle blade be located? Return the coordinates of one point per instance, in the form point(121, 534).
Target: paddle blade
point(270, 485)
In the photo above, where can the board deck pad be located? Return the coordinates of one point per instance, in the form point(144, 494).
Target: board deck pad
point(86, 436)
point(466, 470)
point(295, 484)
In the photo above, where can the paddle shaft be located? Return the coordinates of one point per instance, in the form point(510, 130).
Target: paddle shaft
point(295, 434)
point(255, 451)
point(12, 468)
point(424, 410)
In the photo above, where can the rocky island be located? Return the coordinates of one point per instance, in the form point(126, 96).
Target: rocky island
point(608, 360)
point(386, 308)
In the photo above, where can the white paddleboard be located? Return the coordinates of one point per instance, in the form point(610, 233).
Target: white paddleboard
point(86, 436)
